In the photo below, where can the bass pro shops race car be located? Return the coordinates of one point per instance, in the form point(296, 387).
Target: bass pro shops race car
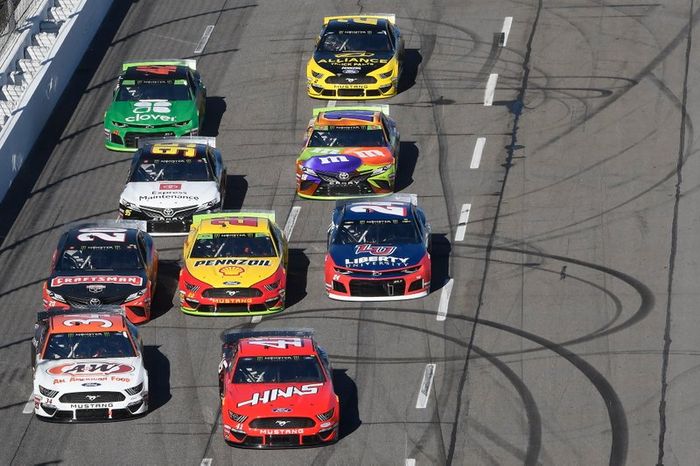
point(172, 179)
point(157, 98)
point(378, 250)
point(105, 262)
point(88, 366)
point(235, 263)
point(356, 57)
point(276, 390)
point(349, 151)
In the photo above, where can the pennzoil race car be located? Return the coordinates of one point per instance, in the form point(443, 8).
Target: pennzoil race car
point(155, 98)
point(378, 250)
point(276, 390)
point(105, 262)
point(356, 57)
point(172, 179)
point(88, 366)
point(235, 263)
point(349, 151)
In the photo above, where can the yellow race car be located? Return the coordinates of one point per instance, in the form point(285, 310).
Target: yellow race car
point(235, 263)
point(356, 57)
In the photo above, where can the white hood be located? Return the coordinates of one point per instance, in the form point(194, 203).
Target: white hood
point(173, 194)
point(83, 375)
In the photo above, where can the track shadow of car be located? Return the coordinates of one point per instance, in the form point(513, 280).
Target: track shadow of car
point(168, 274)
point(440, 258)
point(216, 106)
point(412, 58)
point(408, 157)
point(236, 189)
point(296, 276)
point(346, 390)
point(158, 367)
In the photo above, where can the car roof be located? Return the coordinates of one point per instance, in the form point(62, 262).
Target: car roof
point(87, 323)
point(385, 210)
point(234, 225)
point(348, 118)
point(172, 149)
point(155, 72)
point(73, 236)
point(349, 24)
point(276, 346)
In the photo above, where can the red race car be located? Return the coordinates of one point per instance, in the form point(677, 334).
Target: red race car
point(276, 389)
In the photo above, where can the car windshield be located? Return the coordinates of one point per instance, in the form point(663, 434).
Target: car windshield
point(131, 91)
point(282, 369)
point(400, 231)
point(355, 41)
point(348, 136)
point(89, 345)
point(172, 168)
point(232, 245)
point(100, 257)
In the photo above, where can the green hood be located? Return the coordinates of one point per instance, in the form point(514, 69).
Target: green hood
point(152, 112)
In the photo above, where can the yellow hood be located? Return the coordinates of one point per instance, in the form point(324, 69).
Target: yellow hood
point(241, 272)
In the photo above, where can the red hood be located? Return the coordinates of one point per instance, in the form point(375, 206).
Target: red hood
point(303, 399)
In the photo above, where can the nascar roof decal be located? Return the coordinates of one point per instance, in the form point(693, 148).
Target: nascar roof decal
point(232, 335)
point(207, 141)
point(362, 18)
point(372, 108)
point(188, 62)
point(250, 213)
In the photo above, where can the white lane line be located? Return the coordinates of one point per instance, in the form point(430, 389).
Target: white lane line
point(410, 462)
point(463, 219)
point(256, 319)
point(205, 38)
point(490, 89)
point(291, 221)
point(205, 462)
point(425, 386)
point(29, 407)
point(505, 30)
point(478, 149)
point(331, 104)
point(444, 300)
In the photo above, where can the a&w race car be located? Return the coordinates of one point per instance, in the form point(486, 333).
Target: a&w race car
point(276, 390)
point(172, 179)
point(88, 366)
point(378, 250)
point(104, 262)
point(235, 263)
point(349, 151)
point(157, 98)
point(356, 57)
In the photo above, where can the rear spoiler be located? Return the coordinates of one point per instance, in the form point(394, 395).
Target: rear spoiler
point(232, 336)
point(396, 197)
point(108, 223)
point(372, 108)
point(188, 62)
point(208, 141)
point(101, 309)
point(268, 214)
point(387, 16)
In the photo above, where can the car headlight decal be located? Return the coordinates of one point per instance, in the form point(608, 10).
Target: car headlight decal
point(48, 393)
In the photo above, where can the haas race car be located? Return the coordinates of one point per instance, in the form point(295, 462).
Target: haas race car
point(105, 262)
point(378, 250)
point(349, 151)
point(276, 390)
point(172, 179)
point(88, 366)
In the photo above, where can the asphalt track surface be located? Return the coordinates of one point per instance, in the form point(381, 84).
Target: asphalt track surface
point(571, 331)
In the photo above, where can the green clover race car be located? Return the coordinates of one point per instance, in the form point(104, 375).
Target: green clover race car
point(157, 98)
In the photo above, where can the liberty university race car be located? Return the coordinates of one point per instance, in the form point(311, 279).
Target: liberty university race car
point(276, 390)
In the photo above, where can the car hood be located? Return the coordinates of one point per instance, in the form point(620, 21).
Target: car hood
point(173, 194)
point(97, 284)
point(152, 112)
point(357, 63)
point(345, 159)
point(89, 374)
point(293, 399)
point(240, 272)
point(368, 257)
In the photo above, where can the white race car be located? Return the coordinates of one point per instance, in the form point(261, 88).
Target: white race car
point(88, 366)
point(172, 179)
